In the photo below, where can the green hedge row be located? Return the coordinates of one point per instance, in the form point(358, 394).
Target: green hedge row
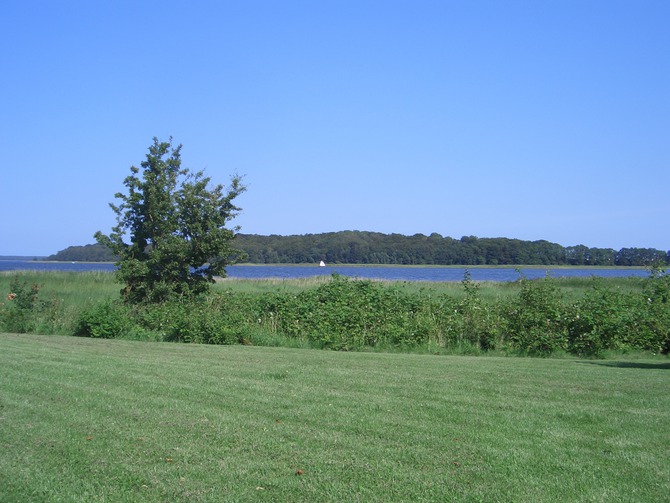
point(352, 314)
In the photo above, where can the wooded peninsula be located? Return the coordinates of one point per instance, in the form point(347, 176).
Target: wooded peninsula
point(361, 247)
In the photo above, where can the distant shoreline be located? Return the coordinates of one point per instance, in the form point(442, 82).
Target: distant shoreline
point(44, 261)
point(310, 264)
point(455, 266)
point(27, 258)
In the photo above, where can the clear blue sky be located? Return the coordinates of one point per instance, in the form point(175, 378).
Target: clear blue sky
point(534, 119)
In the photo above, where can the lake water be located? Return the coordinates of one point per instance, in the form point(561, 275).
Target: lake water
point(395, 273)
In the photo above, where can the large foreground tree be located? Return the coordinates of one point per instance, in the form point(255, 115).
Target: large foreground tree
point(176, 222)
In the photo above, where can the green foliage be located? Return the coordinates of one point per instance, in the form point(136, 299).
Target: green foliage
point(21, 307)
point(360, 247)
point(177, 225)
point(214, 319)
point(657, 320)
point(603, 319)
point(475, 323)
point(105, 320)
point(61, 299)
point(610, 319)
point(536, 319)
point(351, 314)
point(599, 316)
point(86, 253)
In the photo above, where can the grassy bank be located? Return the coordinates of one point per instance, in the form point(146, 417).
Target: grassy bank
point(96, 420)
point(77, 288)
point(61, 298)
point(572, 288)
point(582, 316)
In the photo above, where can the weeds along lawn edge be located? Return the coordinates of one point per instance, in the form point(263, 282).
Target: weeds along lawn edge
point(543, 317)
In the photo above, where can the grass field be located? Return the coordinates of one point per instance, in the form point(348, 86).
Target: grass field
point(82, 287)
point(86, 420)
point(572, 287)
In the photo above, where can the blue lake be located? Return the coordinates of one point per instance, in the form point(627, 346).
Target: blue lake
point(395, 273)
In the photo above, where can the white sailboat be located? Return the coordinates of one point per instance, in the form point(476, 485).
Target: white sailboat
point(322, 264)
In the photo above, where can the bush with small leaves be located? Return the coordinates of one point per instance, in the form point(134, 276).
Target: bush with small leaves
point(105, 320)
point(537, 319)
point(21, 306)
point(350, 314)
point(609, 319)
point(475, 323)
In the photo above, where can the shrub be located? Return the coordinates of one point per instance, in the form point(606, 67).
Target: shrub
point(536, 321)
point(656, 321)
point(21, 307)
point(105, 320)
point(221, 318)
point(350, 314)
point(474, 323)
point(609, 319)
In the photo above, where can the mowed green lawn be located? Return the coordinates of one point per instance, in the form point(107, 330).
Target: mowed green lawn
point(110, 420)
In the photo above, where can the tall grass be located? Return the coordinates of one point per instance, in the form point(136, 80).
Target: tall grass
point(264, 285)
point(585, 316)
point(63, 296)
point(83, 287)
point(490, 291)
point(72, 288)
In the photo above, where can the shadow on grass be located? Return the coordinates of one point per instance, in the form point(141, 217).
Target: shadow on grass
point(630, 365)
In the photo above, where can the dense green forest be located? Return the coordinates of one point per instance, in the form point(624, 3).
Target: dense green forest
point(360, 247)
point(87, 253)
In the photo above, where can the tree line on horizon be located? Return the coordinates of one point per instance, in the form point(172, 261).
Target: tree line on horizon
point(363, 247)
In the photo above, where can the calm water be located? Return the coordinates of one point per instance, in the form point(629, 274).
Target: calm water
point(378, 272)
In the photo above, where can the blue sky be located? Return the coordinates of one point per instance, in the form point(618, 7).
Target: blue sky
point(535, 119)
